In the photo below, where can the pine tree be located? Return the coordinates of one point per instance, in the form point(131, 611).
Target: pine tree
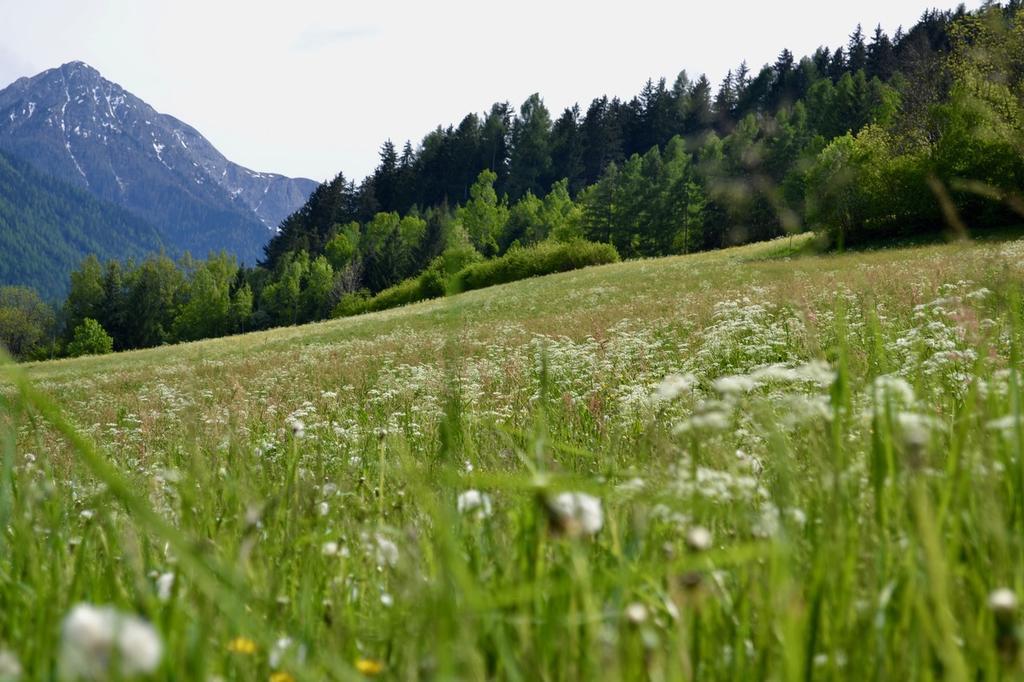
point(530, 165)
point(699, 114)
point(385, 178)
point(858, 58)
point(567, 149)
point(725, 101)
point(881, 56)
point(838, 65)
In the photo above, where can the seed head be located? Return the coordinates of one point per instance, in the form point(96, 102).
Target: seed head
point(575, 514)
point(698, 539)
point(636, 613)
point(95, 639)
point(1003, 601)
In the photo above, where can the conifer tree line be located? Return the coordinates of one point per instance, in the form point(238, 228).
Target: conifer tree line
point(879, 137)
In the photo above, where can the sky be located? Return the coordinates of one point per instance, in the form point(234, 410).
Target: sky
point(313, 87)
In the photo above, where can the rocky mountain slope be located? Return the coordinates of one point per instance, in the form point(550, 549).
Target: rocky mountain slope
point(83, 129)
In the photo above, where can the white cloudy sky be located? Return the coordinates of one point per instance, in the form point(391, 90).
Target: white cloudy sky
point(311, 87)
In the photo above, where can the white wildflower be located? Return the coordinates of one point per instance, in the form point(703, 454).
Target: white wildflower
point(297, 427)
point(1003, 601)
point(673, 386)
point(323, 509)
point(632, 486)
point(735, 384)
point(164, 586)
point(709, 416)
point(916, 429)
point(278, 651)
point(577, 513)
point(636, 613)
point(1006, 424)
point(817, 372)
point(329, 549)
point(384, 551)
point(94, 637)
point(698, 539)
point(474, 502)
point(894, 390)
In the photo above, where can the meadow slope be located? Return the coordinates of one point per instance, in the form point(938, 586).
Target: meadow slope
point(745, 464)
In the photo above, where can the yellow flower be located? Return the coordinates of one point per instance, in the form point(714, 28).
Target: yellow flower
point(242, 645)
point(369, 667)
point(281, 676)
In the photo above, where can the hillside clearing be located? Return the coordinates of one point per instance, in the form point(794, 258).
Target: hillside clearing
point(730, 465)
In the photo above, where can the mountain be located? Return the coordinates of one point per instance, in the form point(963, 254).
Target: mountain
point(81, 128)
point(48, 226)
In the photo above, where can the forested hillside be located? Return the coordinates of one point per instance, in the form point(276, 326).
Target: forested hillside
point(886, 136)
point(47, 227)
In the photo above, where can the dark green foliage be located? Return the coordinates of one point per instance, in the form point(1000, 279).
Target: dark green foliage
point(48, 226)
point(542, 259)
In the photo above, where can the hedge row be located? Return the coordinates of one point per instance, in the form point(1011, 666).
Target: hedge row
point(460, 270)
point(542, 259)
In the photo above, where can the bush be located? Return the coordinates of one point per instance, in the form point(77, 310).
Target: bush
point(431, 283)
point(542, 259)
point(461, 269)
point(403, 293)
point(90, 338)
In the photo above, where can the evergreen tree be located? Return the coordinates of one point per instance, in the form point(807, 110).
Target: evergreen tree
point(530, 164)
point(725, 102)
point(567, 148)
point(858, 52)
point(602, 140)
point(838, 66)
point(699, 113)
point(386, 178)
point(881, 56)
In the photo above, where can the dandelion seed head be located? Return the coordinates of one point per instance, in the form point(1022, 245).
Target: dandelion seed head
point(698, 539)
point(297, 426)
point(164, 586)
point(577, 513)
point(1003, 601)
point(93, 637)
point(474, 502)
point(636, 613)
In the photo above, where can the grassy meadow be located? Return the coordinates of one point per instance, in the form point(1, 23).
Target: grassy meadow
point(746, 464)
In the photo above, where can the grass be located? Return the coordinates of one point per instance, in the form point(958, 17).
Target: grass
point(847, 428)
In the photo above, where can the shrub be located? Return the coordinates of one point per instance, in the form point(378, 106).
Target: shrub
point(542, 259)
point(431, 283)
point(461, 269)
point(403, 293)
point(90, 338)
